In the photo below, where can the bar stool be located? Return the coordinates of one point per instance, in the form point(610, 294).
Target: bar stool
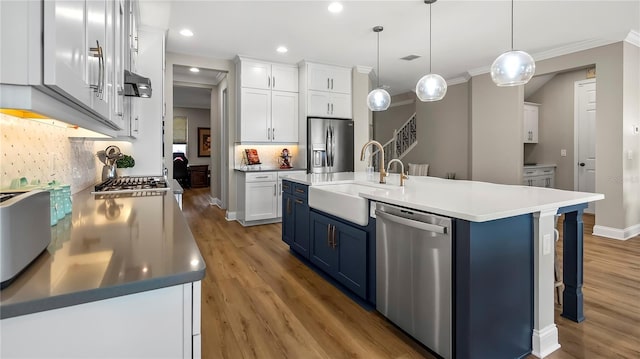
point(556, 266)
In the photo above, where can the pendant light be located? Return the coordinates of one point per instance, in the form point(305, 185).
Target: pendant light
point(378, 99)
point(431, 87)
point(514, 67)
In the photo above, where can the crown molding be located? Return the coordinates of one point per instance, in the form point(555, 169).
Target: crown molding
point(633, 38)
point(364, 69)
point(459, 80)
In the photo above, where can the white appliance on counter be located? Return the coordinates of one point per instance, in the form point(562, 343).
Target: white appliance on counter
point(25, 231)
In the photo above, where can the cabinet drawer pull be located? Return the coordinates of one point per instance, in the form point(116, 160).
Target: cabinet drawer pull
point(299, 190)
point(261, 177)
point(299, 201)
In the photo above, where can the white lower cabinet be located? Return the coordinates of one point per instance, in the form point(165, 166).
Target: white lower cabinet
point(539, 176)
point(160, 323)
point(260, 196)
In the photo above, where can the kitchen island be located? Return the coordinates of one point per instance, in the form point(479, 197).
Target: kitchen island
point(121, 278)
point(503, 258)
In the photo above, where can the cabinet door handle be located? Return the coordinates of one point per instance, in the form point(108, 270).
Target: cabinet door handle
point(332, 84)
point(288, 205)
point(328, 108)
point(273, 133)
point(299, 201)
point(328, 84)
point(97, 52)
point(275, 190)
point(328, 235)
point(268, 81)
point(333, 237)
point(274, 82)
point(332, 108)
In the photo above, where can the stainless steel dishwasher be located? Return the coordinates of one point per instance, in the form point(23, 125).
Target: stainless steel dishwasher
point(413, 274)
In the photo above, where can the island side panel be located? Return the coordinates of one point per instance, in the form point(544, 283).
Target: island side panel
point(493, 272)
point(572, 263)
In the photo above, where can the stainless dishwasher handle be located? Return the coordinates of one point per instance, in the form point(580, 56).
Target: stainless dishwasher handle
point(411, 223)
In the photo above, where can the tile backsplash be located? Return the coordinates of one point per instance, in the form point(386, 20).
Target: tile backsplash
point(39, 151)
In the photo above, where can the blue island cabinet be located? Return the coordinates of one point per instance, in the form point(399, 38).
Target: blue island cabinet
point(340, 250)
point(295, 217)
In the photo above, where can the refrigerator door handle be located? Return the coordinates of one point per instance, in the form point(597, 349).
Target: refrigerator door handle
point(327, 147)
point(333, 147)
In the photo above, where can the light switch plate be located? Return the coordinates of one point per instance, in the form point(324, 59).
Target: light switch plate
point(563, 152)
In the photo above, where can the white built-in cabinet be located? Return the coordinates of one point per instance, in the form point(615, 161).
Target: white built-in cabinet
point(131, 116)
point(160, 323)
point(267, 101)
point(74, 51)
point(260, 196)
point(539, 176)
point(328, 90)
point(531, 112)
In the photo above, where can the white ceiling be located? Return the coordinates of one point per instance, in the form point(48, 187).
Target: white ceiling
point(467, 35)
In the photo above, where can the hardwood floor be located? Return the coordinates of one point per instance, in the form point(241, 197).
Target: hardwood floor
point(259, 301)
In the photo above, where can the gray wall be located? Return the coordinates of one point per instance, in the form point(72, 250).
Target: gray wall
point(442, 130)
point(361, 114)
point(630, 140)
point(196, 117)
point(496, 149)
point(556, 126)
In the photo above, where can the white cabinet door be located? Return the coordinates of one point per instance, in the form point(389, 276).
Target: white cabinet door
point(255, 115)
point(98, 66)
point(284, 78)
point(284, 116)
point(326, 104)
point(340, 105)
point(118, 54)
point(318, 103)
point(255, 74)
point(329, 78)
point(261, 200)
point(530, 123)
point(65, 50)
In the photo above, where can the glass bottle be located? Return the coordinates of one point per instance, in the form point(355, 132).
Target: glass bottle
point(66, 199)
point(52, 207)
point(57, 192)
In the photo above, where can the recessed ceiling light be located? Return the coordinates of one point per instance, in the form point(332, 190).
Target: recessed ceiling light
point(282, 49)
point(335, 7)
point(186, 32)
point(194, 69)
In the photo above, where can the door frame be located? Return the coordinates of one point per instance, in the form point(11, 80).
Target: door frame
point(576, 129)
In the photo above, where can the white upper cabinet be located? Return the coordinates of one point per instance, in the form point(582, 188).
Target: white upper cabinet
point(264, 75)
point(267, 102)
point(65, 58)
point(329, 78)
point(326, 104)
point(531, 122)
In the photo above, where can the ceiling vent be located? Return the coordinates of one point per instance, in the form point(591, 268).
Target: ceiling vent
point(410, 57)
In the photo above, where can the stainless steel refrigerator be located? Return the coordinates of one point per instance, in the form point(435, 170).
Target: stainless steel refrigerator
point(329, 145)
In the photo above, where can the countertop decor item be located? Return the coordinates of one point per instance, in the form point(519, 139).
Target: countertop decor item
point(378, 99)
point(285, 159)
point(251, 156)
point(431, 87)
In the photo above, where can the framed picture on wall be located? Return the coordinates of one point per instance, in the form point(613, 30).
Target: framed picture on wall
point(204, 142)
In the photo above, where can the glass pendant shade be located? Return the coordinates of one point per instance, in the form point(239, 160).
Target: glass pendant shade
point(431, 87)
point(513, 68)
point(378, 100)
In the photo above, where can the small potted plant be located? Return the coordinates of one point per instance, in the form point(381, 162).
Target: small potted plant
point(125, 161)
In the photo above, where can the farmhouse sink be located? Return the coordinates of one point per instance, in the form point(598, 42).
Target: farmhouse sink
point(342, 200)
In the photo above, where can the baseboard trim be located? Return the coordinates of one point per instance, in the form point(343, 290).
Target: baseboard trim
point(215, 202)
point(545, 341)
point(616, 233)
point(230, 216)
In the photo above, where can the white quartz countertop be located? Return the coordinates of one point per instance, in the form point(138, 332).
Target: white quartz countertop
point(469, 200)
point(540, 165)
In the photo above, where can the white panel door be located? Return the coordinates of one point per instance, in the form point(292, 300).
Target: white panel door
point(256, 74)
point(530, 123)
point(284, 78)
point(318, 104)
point(255, 115)
point(340, 78)
point(65, 50)
point(261, 200)
point(340, 105)
point(318, 77)
point(284, 116)
point(586, 138)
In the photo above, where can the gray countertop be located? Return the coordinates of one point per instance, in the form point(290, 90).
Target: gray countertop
point(107, 247)
point(267, 169)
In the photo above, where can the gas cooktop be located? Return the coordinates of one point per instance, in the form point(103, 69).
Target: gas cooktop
point(133, 184)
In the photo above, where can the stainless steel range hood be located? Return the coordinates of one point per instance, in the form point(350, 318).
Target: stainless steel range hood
point(136, 85)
